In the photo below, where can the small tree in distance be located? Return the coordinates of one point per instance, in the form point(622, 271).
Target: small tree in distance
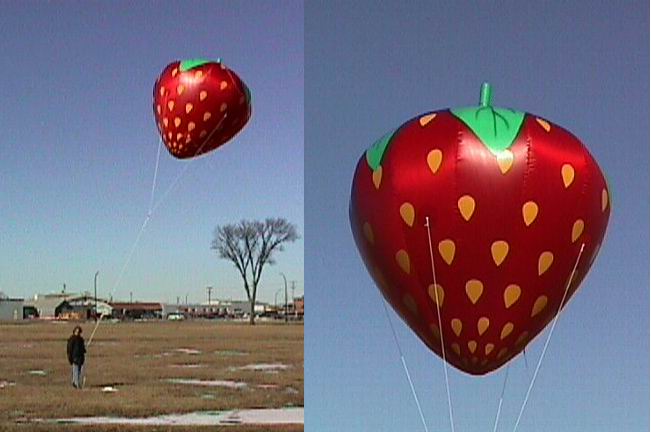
point(250, 245)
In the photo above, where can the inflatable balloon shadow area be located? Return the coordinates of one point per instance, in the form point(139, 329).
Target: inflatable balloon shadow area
point(478, 225)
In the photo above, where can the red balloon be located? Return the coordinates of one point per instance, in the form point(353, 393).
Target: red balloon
point(199, 105)
point(510, 198)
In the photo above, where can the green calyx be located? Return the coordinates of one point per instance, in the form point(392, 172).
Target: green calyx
point(497, 128)
point(375, 153)
point(187, 65)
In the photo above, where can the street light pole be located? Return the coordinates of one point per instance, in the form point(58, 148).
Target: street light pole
point(96, 273)
point(285, 279)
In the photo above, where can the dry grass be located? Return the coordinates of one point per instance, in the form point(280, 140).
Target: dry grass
point(130, 356)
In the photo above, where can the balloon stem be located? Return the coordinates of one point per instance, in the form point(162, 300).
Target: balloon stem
point(485, 95)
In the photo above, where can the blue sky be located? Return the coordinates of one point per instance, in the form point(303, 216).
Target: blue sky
point(370, 66)
point(79, 144)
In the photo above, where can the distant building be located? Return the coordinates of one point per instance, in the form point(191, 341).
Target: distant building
point(137, 310)
point(11, 309)
point(82, 308)
point(208, 311)
point(299, 305)
point(46, 304)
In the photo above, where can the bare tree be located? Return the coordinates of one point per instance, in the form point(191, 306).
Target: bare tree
point(250, 245)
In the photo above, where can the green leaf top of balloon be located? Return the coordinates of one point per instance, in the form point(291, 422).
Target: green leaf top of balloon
point(187, 65)
point(497, 128)
point(375, 153)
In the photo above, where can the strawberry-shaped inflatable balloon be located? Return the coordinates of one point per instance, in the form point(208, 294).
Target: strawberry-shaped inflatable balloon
point(512, 202)
point(199, 105)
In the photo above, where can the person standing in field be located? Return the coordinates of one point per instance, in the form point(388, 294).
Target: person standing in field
point(76, 356)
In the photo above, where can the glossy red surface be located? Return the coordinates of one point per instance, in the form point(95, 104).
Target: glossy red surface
point(429, 165)
point(199, 110)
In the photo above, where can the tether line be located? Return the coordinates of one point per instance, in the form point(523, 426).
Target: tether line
point(549, 336)
point(499, 405)
point(152, 208)
point(438, 313)
point(404, 365)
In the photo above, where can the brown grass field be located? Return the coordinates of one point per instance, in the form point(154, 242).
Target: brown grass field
point(130, 357)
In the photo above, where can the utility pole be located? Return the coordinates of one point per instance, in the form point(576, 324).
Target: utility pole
point(178, 300)
point(130, 296)
point(64, 288)
point(294, 298)
point(209, 289)
point(285, 279)
point(96, 273)
point(186, 299)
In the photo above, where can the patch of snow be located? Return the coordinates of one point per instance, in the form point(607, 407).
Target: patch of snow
point(273, 416)
point(208, 383)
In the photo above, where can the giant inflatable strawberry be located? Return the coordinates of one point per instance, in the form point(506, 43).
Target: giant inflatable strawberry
point(199, 105)
point(487, 211)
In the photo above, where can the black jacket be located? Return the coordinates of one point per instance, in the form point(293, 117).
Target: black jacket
point(76, 350)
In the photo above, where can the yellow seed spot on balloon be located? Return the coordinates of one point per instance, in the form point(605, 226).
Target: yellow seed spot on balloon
point(202, 134)
point(188, 108)
point(545, 125)
point(166, 121)
point(511, 295)
point(522, 338)
point(505, 161)
point(198, 74)
point(188, 138)
point(502, 353)
point(379, 278)
point(368, 233)
point(409, 301)
point(175, 71)
point(482, 325)
point(206, 115)
point(435, 331)
point(539, 305)
point(407, 212)
point(158, 109)
point(457, 326)
point(403, 260)
point(447, 249)
point(604, 199)
point(577, 229)
point(223, 85)
point(170, 105)
point(434, 159)
point(202, 95)
point(466, 206)
point(506, 330)
point(162, 91)
point(499, 251)
point(179, 136)
point(223, 107)
point(426, 119)
point(191, 126)
point(529, 212)
point(474, 290)
point(472, 346)
point(489, 348)
point(169, 135)
point(180, 89)
point(180, 146)
point(567, 172)
point(456, 348)
point(544, 262)
point(377, 177)
point(177, 121)
point(436, 293)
